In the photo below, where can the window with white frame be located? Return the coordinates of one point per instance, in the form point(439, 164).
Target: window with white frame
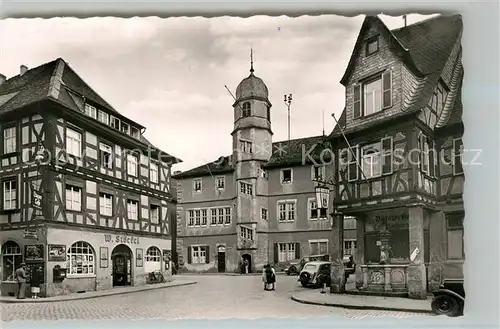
point(80, 259)
point(372, 96)
point(371, 163)
point(318, 172)
point(213, 216)
point(9, 140)
point(246, 146)
point(73, 198)
point(73, 143)
point(103, 117)
point(198, 254)
point(246, 188)
point(106, 155)
point(314, 212)
point(204, 217)
point(105, 204)
point(190, 215)
point(246, 233)
point(220, 182)
point(227, 220)
point(9, 194)
point(132, 163)
point(350, 247)
point(132, 209)
point(154, 213)
point(153, 172)
point(286, 176)
point(318, 247)
point(286, 211)
point(220, 220)
point(423, 145)
point(286, 252)
point(91, 111)
point(197, 217)
point(152, 260)
point(197, 185)
point(125, 128)
point(114, 122)
point(11, 260)
point(264, 215)
point(135, 133)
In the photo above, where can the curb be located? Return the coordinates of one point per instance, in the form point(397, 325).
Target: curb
point(359, 307)
point(81, 297)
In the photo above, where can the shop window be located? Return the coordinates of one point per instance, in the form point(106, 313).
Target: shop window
point(152, 260)
point(80, 259)
point(11, 260)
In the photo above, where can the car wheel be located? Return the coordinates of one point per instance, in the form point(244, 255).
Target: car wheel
point(445, 305)
point(304, 279)
point(292, 270)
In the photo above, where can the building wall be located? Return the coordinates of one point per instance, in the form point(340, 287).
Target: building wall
point(103, 276)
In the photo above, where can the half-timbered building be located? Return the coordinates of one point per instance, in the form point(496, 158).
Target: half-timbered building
point(85, 198)
point(401, 175)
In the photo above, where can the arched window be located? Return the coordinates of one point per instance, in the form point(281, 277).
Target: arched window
point(80, 259)
point(152, 260)
point(11, 260)
point(247, 109)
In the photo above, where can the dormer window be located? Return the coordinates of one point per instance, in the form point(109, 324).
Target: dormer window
point(125, 128)
point(115, 123)
point(373, 95)
point(135, 133)
point(91, 111)
point(372, 46)
point(247, 109)
point(103, 117)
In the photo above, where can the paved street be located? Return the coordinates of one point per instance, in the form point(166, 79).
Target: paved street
point(214, 297)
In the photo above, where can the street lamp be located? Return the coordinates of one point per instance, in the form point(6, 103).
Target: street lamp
point(288, 103)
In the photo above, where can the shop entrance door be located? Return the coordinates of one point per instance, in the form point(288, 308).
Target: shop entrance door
point(122, 266)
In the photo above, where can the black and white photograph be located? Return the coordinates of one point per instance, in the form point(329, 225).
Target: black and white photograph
point(278, 166)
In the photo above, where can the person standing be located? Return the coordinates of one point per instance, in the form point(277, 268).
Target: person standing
point(21, 281)
point(269, 277)
point(246, 266)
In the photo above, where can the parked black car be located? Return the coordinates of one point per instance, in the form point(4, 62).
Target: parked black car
point(449, 299)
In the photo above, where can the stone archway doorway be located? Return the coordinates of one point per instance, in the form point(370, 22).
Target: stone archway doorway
point(247, 263)
point(121, 258)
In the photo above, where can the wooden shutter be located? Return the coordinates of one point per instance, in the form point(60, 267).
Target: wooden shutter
point(297, 250)
point(387, 89)
point(387, 154)
point(207, 254)
point(189, 255)
point(357, 102)
point(353, 163)
point(276, 258)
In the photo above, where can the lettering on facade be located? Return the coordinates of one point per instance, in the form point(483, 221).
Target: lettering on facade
point(392, 221)
point(121, 239)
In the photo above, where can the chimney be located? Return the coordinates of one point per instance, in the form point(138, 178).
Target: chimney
point(2, 79)
point(23, 70)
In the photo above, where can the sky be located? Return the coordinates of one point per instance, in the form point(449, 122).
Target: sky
point(169, 74)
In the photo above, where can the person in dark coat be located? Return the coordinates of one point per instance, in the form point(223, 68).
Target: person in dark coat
point(21, 281)
point(269, 277)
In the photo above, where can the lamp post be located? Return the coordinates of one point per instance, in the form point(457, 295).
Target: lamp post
point(288, 103)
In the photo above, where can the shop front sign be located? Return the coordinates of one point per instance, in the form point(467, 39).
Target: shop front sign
point(121, 239)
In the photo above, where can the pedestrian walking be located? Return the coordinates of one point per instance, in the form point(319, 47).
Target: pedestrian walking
point(21, 281)
point(268, 277)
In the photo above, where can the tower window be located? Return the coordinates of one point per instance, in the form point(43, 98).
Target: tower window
point(268, 114)
point(247, 109)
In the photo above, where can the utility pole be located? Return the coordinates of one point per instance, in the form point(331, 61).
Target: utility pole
point(288, 102)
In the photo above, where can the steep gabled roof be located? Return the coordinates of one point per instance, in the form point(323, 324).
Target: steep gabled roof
point(57, 81)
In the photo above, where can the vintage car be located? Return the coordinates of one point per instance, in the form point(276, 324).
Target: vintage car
point(315, 274)
point(449, 298)
point(296, 266)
